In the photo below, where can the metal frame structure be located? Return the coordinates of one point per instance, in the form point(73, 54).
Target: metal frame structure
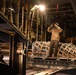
point(14, 36)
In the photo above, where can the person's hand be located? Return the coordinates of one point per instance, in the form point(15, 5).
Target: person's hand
point(51, 25)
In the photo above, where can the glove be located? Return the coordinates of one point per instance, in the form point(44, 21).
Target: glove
point(51, 26)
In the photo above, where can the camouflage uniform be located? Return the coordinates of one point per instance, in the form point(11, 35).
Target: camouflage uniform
point(55, 37)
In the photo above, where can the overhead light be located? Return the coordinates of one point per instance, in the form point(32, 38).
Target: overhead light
point(41, 7)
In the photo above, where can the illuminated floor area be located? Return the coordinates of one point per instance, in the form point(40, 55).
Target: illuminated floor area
point(40, 71)
point(32, 70)
point(51, 71)
point(49, 66)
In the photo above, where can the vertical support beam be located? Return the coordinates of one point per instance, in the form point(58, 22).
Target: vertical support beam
point(3, 6)
point(26, 20)
point(13, 57)
point(11, 53)
point(22, 62)
point(45, 26)
point(41, 26)
point(10, 12)
point(23, 19)
point(27, 44)
point(32, 18)
point(37, 25)
point(11, 17)
point(24, 65)
point(16, 14)
point(20, 59)
point(29, 26)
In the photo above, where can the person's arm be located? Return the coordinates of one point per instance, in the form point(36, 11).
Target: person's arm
point(60, 29)
point(49, 28)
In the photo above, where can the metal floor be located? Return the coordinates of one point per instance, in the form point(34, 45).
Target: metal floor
point(49, 66)
point(41, 71)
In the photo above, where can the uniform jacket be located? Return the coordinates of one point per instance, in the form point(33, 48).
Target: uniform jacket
point(56, 30)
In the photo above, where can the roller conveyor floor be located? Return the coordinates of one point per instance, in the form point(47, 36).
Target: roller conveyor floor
point(41, 71)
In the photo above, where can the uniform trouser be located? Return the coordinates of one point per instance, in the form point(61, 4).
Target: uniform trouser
point(53, 44)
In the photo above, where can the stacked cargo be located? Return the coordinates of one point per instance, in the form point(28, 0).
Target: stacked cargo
point(41, 49)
